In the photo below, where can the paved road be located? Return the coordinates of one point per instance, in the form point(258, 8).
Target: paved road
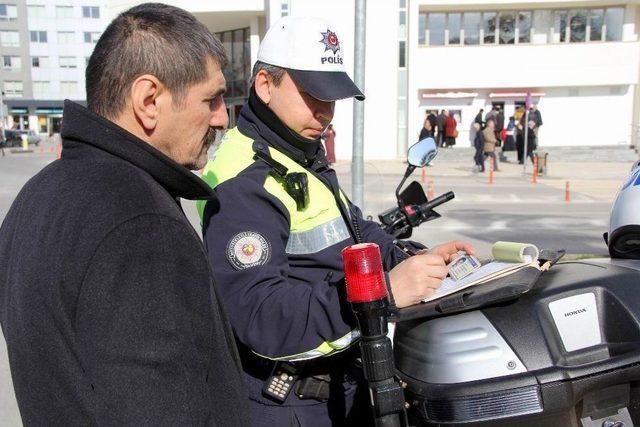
point(510, 209)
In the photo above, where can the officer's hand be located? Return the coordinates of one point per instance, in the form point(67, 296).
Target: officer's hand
point(449, 250)
point(417, 278)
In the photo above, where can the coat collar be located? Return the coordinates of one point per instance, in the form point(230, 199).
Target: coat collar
point(258, 121)
point(83, 127)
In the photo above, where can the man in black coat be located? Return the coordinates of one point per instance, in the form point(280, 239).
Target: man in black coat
point(107, 301)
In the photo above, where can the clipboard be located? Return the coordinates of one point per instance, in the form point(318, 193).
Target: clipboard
point(496, 291)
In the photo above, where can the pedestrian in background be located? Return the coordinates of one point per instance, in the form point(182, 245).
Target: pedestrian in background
point(450, 131)
point(491, 115)
point(329, 138)
point(108, 304)
point(478, 118)
point(3, 140)
point(478, 143)
point(433, 119)
point(490, 141)
point(531, 139)
point(536, 117)
point(440, 127)
point(510, 135)
point(499, 117)
point(427, 129)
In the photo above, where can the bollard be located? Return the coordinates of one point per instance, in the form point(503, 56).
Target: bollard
point(567, 193)
point(490, 170)
point(424, 175)
point(430, 191)
point(534, 175)
point(25, 142)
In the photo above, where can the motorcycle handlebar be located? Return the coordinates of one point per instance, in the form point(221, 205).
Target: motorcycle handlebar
point(437, 201)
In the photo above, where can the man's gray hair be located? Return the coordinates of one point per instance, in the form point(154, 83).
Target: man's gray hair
point(274, 71)
point(152, 38)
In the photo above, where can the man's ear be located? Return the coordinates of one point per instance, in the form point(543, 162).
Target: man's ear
point(263, 83)
point(145, 93)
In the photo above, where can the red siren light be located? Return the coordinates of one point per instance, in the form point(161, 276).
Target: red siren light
point(363, 273)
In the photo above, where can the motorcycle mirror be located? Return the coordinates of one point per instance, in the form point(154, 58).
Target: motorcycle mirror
point(422, 152)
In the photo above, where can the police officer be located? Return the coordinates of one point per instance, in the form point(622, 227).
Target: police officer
point(276, 238)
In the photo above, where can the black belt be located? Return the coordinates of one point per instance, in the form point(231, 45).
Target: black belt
point(314, 376)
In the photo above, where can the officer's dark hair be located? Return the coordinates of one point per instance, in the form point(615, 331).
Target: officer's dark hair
point(274, 71)
point(152, 38)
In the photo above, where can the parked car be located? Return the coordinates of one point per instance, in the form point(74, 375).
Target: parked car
point(14, 137)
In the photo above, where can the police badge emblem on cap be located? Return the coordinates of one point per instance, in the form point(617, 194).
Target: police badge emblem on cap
point(311, 52)
point(248, 249)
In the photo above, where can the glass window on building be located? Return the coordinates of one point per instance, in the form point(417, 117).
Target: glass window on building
point(13, 88)
point(489, 27)
point(614, 20)
point(435, 27)
point(66, 37)
point(471, 25)
point(596, 20)
point(402, 54)
point(9, 39)
point(8, 12)
point(402, 24)
point(41, 87)
point(38, 36)
point(542, 31)
point(560, 26)
point(92, 12)
point(36, 11)
point(284, 8)
point(524, 26)
point(91, 37)
point(238, 70)
point(68, 62)
point(454, 25)
point(40, 61)
point(578, 25)
point(64, 11)
point(68, 87)
point(422, 28)
point(507, 28)
point(11, 62)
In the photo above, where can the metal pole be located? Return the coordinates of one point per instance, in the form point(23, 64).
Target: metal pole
point(357, 162)
point(526, 137)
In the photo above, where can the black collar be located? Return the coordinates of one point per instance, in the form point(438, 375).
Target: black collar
point(83, 127)
point(257, 120)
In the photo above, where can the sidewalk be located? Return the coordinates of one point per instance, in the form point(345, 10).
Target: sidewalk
point(596, 179)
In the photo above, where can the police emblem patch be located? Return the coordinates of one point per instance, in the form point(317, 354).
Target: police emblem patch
point(248, 249)
point(330, 40)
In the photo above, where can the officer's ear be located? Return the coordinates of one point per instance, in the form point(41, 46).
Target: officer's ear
point(148, 98)
point(263, 84)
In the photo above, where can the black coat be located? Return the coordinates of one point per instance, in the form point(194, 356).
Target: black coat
point(107, 300)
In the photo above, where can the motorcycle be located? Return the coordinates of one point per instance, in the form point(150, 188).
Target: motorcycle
point(562, 349)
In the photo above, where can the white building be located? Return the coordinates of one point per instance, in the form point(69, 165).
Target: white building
point(579, 59)
point(45, 45)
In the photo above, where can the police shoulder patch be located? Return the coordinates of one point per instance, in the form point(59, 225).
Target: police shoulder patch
point(248, 249)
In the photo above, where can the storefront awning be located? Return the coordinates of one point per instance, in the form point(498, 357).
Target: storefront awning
point(449, 95)
point(51, 110)
point(514, 94)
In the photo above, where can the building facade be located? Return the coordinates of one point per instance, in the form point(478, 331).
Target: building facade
point(45, 46)
point(579, 60)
